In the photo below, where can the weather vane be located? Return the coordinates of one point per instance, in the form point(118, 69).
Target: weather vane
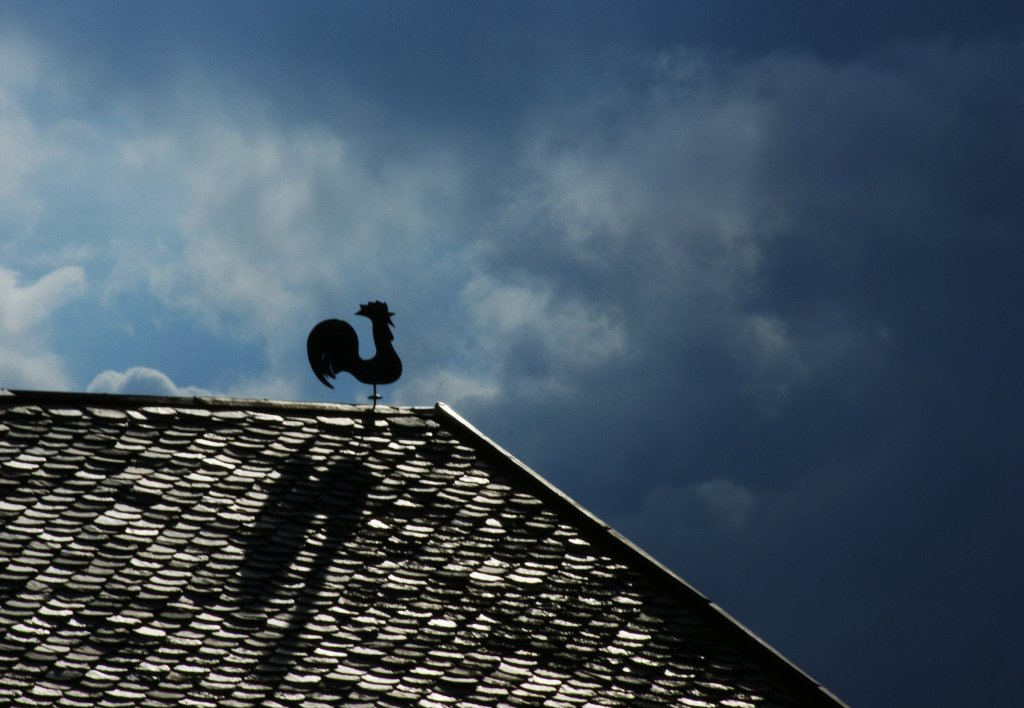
point(333, 347)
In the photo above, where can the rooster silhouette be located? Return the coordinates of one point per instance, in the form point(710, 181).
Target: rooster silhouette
point(333, 347)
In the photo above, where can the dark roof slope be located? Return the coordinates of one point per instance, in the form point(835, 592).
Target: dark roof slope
point(205, 552)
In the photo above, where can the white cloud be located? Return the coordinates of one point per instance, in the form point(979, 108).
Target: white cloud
point(24, 307)
point(455, 388)
point(268, 385)
point(141, 380)
point(686, 512)
point(25, 359)
point(25, 150)
point(730, 503)
point(271, 214)
point(762, 346)
point(537, 339)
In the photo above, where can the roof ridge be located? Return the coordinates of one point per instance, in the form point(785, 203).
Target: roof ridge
point(9, 397)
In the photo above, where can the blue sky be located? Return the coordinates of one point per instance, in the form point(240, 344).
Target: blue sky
point(741, 277)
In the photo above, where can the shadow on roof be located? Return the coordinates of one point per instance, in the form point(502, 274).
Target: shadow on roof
point(312, 510)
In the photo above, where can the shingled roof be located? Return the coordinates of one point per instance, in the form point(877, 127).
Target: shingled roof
point(224, 552)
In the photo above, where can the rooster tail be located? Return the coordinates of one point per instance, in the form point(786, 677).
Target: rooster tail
point(332, 347)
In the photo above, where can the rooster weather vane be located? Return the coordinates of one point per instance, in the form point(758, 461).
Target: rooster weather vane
point(333, 347)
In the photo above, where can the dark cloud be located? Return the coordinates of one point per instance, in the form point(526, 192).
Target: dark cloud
point(450, 66)
point(816, 417)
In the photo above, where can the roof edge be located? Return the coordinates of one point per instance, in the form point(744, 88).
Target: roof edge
point(11, 397)
point(811, 690)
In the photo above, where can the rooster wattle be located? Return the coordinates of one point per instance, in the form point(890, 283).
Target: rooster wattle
point(333, 347)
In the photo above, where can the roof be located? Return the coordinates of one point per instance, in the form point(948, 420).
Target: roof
point(204, 552)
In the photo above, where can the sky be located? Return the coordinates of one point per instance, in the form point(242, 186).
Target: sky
point(742, 278)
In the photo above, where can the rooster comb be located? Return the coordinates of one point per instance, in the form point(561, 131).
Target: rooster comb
point(374, 309)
